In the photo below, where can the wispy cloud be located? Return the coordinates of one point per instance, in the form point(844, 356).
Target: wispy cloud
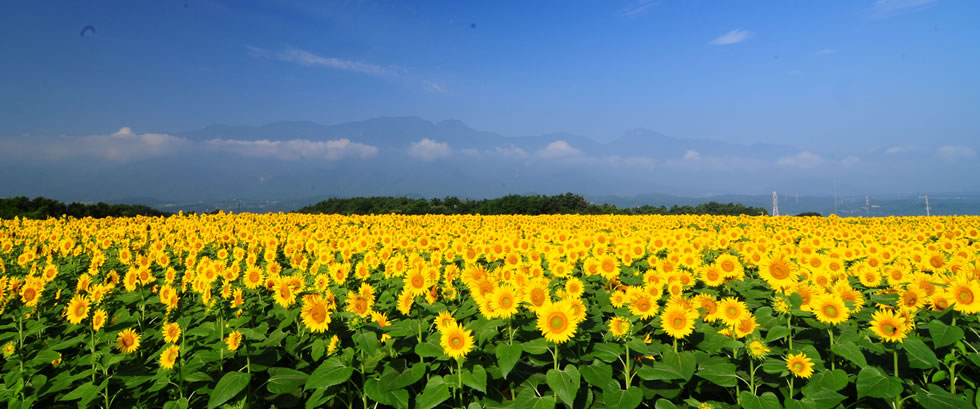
point(732, 37)
point(692, 155)
point(850, 161)
point(801, 160)
point(951, 152)
point(638, 7)
point(429, 150)
point(558, 149)
point(894, 150)
point(825, 51)
point(891, 8)
point(294, 149)
point(309, 59)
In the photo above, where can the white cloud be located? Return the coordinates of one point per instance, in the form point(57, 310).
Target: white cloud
point(951, 152)
point(850, 161)
point(801, 160)
point(558, 149)
point(294, 149)
point(303, 57)
point(510, 152)
point(732, 37)
point(429, 150)
point(899, 149)
point(638, 7)
point(120, 146)
point(692, 155)
point(890, 8)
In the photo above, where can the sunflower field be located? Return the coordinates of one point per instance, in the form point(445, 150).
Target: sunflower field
point(420, 312)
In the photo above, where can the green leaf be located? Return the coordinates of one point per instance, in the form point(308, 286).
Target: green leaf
point(397, 398)
point(873, 382)
point(82, 391)
point(825, 398)
point(537, 346)
point(768, 400)
point(507, 357)
point(598, 374)
point(317, 349)
point(176, 404)
point(776, 333)
point(937, 398)
point(719, 373)
point(850, 352)
point(436, 392)
point(476, 378)
point(330, 372)
point(616, 398)
point(664, 404)
point(714, 342)
point(944, 335)
point(671, 366)
point(228, 386)
point(805, 403)
point(545, 402)
point(392, 379)
point(833, 380)
point(606, 352)
point(367, 341)
point(919, 355)
point(565, 383)
point(285, 380)
point(428, 350)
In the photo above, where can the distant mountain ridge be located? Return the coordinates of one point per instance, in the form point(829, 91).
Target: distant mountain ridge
point(398, 133)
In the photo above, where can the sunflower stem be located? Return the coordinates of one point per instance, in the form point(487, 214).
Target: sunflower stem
point(952, 378)
point(791, 379)
point(789, 326)
point(626, 368)
point(752, 376)
point(898, 399)
point(831, 332)
point(459, 362)
point(92, 347)
point(675, 345)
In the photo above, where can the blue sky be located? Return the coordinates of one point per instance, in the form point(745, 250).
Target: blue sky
point(837, 77)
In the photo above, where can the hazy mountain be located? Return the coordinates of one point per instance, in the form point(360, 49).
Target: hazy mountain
point(279, 165)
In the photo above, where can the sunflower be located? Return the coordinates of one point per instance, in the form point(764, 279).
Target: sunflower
point(830, 309)
point(30, 291)
point(619, 326)
point(169, 356)
point(678, 321)
point(964, 295)
point(758, 349)
point(800, 365)
point(444, 320)
point(643, 306)
point(711, 275)
point(283, 293)
point(9, 349)
point(574, 287)
point(731, 311)
point(456, 341)
point(98, 319)
point(405, 302)
point(888, 326)
point(253, 277)
point(171, 333)
point(912, 299)
point(316, 313)
point(778, 271)
point(77, 309)
point(416, 283)
point(359, 304)
point(556, 323)
point(334, 342)
point(127, 341)
point(503, 302)
point(745, 326)
point(537, 296)
point(233, 340)
point(730, 266)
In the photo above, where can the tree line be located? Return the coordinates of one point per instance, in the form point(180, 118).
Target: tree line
point(43, 208)
point(567, 203)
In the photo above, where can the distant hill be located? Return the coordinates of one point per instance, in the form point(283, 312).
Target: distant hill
point(42, 208)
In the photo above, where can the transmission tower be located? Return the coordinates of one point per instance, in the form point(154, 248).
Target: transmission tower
point(775, 204)
point(927, 204)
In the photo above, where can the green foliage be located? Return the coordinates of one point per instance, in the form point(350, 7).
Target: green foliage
point(567, 203)
point(43, 208)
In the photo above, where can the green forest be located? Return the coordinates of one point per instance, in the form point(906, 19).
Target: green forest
point(43, 208)
point(568, 203)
